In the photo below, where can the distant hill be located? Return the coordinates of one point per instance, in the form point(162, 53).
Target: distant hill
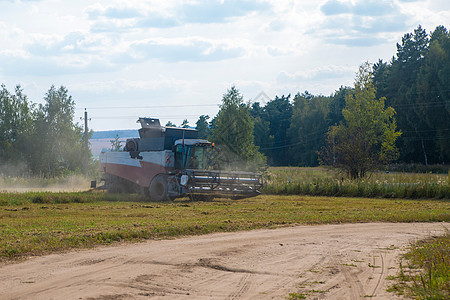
point(110, 134)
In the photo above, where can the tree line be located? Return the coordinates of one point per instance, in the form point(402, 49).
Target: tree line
point(39, 139)
point(415, 85)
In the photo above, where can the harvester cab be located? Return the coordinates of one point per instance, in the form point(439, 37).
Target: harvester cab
point(191, 154)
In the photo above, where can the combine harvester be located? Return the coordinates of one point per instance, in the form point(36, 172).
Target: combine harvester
point(168, 162)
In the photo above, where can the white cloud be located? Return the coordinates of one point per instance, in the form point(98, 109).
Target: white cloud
point(74, 42)
point(361, 23)
point(320, 73)
point(214, 11)
point(360, 7)
point(186, 49)
point(277, 51)
point(10, 35)
point(156, 21)
point(185, 12)
point(335, 7)
point(114, 12)
point(122, 85)
point(122, 17)
point(277, 25)
point(25, 65)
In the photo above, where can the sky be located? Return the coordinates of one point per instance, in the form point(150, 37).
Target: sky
point(175, 59)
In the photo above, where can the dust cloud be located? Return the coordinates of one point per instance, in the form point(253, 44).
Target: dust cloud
point(22, 184)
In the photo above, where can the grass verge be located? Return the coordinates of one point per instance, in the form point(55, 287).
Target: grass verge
point(40, 223)
point(427, 273)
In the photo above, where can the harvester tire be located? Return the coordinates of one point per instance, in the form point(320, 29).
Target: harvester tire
point(158, 188)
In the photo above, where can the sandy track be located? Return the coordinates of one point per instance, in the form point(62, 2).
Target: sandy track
point(330, 261)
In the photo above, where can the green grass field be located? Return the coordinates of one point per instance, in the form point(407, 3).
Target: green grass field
point(39, 223)
point(321, 181)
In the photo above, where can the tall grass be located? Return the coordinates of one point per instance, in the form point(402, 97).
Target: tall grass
point(427, 274)
point(325, 182)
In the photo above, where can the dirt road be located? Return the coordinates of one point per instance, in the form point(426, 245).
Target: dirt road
point(348, 261)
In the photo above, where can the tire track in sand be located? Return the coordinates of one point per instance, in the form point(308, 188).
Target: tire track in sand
point(241, 288)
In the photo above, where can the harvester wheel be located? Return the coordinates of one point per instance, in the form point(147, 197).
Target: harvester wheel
point(158, 188)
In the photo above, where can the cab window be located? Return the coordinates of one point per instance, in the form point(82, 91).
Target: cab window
point(190, 157)
point(197, 159)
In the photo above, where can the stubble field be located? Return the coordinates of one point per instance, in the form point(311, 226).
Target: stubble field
point(39, 223)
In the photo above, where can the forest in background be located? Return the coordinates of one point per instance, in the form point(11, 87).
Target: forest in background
point(416, 83)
